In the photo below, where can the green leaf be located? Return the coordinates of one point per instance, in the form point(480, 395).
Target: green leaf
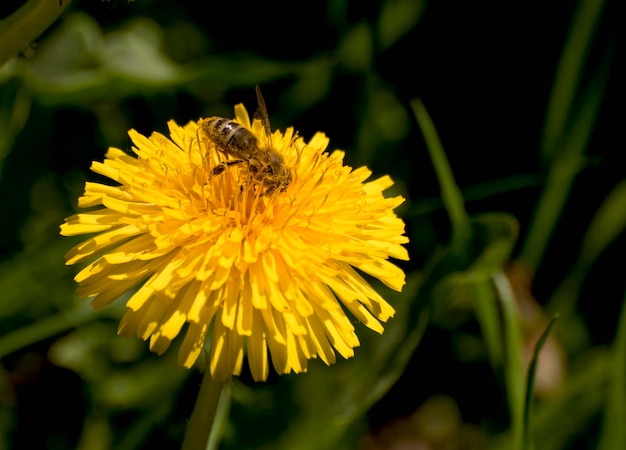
point(493, 236)
point(567, 415)
point(488, 316)
point(488, 249)
point(569, 73)
point(397, 18)
point(381, 132)
point(22, 27)
point(613, 435)
point(566, 162)
point(46, 328)
point(355, 49)
point(530, 385)
point(450, 192)
point(607, 224)
point(513, 367)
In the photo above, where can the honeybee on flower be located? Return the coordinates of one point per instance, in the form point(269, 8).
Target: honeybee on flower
point(265, 165)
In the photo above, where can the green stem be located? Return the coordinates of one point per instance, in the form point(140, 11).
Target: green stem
point(211, 406)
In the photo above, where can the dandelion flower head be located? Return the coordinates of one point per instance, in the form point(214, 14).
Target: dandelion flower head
point(239, 270)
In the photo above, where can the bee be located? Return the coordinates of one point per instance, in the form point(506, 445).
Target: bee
point(265, 165)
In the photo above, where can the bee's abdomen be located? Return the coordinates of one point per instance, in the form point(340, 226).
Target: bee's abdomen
point(231, 137)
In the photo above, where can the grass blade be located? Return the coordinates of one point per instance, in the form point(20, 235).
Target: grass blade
point(530, 384)
point(613, 436)
point(569, 71)
point(565, 167)
point(450, 192)
point(513, 360)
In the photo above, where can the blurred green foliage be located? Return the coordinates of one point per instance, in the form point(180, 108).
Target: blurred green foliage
point(493, 121)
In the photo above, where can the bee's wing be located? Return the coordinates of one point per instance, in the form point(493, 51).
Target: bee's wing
point(261, 114)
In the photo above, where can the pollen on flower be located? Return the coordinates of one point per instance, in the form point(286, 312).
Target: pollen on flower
point(211, 249)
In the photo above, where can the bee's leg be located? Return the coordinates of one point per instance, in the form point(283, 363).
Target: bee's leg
point(221, 167)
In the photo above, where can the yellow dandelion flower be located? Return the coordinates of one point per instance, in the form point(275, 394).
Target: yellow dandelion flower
point(244, 269)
